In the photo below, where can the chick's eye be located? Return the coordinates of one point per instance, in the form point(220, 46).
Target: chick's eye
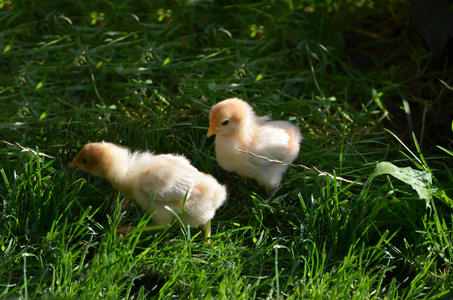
point(225, 123)
point(84, 161)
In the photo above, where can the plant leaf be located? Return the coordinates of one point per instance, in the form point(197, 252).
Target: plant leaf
point(421, 181)
point(446, 150)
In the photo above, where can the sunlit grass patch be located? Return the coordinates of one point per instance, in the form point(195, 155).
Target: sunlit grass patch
point(362, 213)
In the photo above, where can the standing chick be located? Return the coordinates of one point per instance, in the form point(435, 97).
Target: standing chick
point(154, 182)
point(237, 127)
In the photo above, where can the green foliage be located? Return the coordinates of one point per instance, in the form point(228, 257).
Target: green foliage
point(347, 221)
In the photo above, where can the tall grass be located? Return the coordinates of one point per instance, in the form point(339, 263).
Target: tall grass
point(144, 74)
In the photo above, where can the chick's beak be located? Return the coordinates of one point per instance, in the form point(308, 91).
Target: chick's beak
point(73, 164)
point(212, 130)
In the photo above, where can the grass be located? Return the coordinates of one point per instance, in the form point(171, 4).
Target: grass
point(144, 74)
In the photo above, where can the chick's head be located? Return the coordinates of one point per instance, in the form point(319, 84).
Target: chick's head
point(94, 158)
point(229, 116)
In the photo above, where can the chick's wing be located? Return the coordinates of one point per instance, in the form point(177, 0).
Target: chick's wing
point(270, 142)
point(167, 183)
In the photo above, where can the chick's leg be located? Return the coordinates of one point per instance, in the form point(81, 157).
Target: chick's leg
point(206, 228)
point(244, 179)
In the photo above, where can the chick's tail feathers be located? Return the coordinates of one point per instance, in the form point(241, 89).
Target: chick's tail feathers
point(293, 143)
point(214, 192)
point(206, 198)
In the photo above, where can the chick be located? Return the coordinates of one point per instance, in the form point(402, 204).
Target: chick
point(237, 127)
point(155, 182)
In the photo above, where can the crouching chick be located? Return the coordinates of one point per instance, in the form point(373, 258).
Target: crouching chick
point(155, 182)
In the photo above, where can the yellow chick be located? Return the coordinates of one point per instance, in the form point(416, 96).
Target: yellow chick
point(155, 182)
point(237, 128)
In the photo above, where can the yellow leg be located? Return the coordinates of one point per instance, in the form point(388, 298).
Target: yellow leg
point(206, 228)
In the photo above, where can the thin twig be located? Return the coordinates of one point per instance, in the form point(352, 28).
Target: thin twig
point(446, 85)
point(26, 149)
point(321, 173)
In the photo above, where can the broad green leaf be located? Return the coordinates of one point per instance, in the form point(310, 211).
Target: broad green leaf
point(421, 181)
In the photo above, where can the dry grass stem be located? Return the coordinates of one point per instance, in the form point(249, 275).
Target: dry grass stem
point(26, 149)
point(321, 173)
point(446, 85)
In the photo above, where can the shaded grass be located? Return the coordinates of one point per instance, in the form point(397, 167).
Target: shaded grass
point(145, 78)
